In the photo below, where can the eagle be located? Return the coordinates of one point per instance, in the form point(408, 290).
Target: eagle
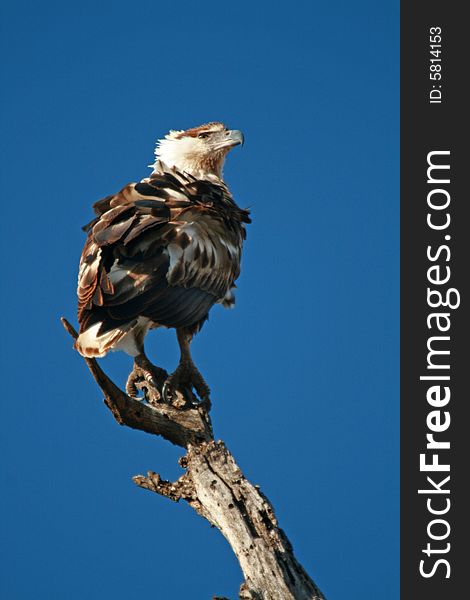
point(161, 253)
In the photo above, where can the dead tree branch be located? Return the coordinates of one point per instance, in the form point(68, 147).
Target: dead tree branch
point(215, 487)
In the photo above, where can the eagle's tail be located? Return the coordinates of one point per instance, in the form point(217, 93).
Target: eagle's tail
point(92, 345)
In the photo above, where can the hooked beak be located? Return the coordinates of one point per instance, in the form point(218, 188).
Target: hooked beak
point(234, 138)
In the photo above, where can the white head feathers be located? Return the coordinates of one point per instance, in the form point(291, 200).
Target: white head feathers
point(199, 151)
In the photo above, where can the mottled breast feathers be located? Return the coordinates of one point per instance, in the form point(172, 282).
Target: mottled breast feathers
point(166, 248)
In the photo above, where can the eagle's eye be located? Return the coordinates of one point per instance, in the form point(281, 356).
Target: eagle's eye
point(203, 136)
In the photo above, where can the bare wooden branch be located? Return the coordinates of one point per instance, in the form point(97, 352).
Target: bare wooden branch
point(215, 487)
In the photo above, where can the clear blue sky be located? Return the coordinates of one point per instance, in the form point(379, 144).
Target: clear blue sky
point(304, 371)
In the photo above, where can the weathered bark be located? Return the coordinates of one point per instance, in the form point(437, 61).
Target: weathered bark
point(215, 487)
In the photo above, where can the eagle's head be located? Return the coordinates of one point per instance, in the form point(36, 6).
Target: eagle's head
point(200, 151)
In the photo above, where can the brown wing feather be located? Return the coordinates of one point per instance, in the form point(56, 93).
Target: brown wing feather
point(168, 248)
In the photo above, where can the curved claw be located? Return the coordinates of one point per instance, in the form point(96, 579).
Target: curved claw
point(136, 396)
point(165, 390)
point(146, 378)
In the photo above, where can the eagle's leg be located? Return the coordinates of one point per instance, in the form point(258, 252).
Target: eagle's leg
point(187, 376)
point(144, 372)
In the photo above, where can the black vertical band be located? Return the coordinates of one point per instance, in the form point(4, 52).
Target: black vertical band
point(435, 257)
